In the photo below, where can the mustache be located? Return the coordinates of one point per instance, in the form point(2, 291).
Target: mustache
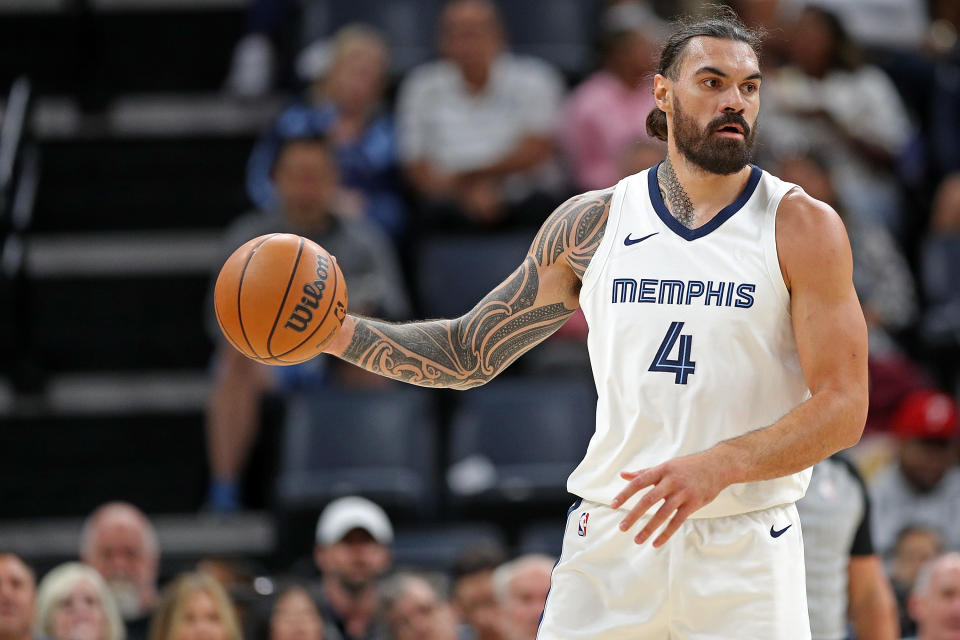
point(729, 118)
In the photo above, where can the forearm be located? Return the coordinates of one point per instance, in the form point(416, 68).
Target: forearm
point(827, 422)
point(873, 607)
point(877, 618)
point(459, 353)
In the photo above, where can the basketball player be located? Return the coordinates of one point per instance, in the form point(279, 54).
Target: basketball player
point(729, 353)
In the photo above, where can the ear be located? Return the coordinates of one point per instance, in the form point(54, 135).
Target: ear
point(319, 556)
point(663, 92)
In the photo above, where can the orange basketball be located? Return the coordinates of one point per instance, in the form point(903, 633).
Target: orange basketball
point(280, 299)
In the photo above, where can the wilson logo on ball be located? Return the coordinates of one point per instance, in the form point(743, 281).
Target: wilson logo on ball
point(312, 293)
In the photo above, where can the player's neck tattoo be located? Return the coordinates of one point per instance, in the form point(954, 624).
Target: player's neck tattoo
point(674, 194)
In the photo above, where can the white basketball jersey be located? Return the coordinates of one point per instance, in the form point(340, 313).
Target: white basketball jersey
point(690, 339)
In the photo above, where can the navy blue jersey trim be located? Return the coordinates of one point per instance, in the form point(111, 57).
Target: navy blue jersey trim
point(725, 214)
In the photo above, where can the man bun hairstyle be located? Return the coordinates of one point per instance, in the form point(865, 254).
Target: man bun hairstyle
point(721, 22)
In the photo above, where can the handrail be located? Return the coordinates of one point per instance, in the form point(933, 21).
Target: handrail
point(11, 131)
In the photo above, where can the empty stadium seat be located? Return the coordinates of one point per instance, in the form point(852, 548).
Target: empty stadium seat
point(437, 547)
point(408, 25)
point(456, 271)
point(559, 31)
point(378, 443)
point(543, 536)
point(517, 441)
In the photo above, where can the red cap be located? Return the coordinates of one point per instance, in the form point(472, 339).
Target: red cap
point(926, 414)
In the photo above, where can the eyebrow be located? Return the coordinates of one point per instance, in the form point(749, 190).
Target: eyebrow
point(717, 72)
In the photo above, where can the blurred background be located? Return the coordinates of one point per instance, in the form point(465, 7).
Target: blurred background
point(423, 142)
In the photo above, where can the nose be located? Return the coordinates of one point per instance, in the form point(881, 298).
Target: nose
point(733, 101)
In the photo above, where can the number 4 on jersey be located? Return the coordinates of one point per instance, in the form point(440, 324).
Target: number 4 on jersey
point(682, 365)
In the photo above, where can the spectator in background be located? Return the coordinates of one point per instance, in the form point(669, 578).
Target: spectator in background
point(845, 577)
point(345, 105)
point(121, 544)
point(195, 607)
point(352, 552)
point(295, 616)
point(236, 577)
point(940, 266)
point(935, 602)
point(828, 101)
point(521, 587)
point(306, 179)
point(473, 597)
point(414, 608)
point(608, 111)
point(923, 486)
point(74, 603)
point(915, 547)
point(476, 127)
point(17, 598)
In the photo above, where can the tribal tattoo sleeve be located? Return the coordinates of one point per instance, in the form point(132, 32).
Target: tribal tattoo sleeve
point(469, 351)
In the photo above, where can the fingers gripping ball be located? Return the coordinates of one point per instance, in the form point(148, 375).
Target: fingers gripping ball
point(280, 299)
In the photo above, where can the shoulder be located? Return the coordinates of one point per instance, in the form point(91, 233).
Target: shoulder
point(810, 235)
point(573, 231)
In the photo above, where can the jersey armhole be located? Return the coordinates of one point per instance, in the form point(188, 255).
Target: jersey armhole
point(591, 276)
point(771, 251)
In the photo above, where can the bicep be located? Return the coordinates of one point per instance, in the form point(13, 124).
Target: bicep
point(828, 323)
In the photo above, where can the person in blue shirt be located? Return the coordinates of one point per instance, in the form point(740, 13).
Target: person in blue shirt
point(344, 106)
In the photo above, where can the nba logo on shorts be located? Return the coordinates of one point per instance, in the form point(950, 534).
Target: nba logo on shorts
point(582, 529)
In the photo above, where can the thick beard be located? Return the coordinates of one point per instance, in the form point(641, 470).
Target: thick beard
point(711, 153)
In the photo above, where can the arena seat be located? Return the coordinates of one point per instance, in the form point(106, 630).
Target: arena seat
point(408, 25)
point(380, 443)
point(436, 547)
point(516, 441)
point(558, 31)
point(457, 271)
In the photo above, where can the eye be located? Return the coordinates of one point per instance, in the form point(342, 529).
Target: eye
point(712, 83)
point(750, 87)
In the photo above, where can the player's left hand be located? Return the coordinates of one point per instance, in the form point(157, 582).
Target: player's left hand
point(684, 484)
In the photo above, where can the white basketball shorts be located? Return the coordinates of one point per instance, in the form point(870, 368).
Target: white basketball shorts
point(733, 578)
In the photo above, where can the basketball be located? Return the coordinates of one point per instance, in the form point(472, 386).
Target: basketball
point(280, 299)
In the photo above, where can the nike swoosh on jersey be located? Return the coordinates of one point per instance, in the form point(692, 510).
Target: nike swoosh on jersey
point(776, 534)
point(629, 241)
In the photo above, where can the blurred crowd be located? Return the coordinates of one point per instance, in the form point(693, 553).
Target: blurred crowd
point(860, 105)
point(352, 592)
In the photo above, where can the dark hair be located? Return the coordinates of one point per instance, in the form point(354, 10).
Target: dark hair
point(844, 53)
point(485, 556)
point(723, 23)
point(314, 138)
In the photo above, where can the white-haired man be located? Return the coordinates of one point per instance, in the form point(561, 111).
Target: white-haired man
point(121, 544)
point(935, 600)
point(521, 587)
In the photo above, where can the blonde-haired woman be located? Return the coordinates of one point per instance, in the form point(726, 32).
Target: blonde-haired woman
point(74, 603)
point(195, 607)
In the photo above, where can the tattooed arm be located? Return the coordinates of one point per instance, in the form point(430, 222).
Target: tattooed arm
point(521, 312)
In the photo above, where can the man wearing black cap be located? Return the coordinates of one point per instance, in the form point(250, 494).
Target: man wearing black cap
point(352, 551)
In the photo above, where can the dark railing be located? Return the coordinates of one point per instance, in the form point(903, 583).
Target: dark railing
point(19, 178)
